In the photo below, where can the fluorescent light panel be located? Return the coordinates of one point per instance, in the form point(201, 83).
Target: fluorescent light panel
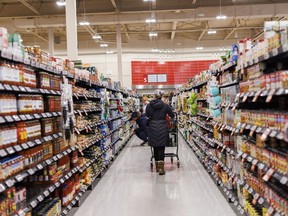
point(153, 34)
point(199, 48)
point(84, 23)
point(149, 0)
point(109, 52)
point(151, 20)
point(103, 45)
point(61, 2)
point(221, 17)
point(212, 32)
point(97, 36)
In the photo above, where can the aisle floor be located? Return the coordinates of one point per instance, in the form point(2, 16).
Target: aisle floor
point(129, 188)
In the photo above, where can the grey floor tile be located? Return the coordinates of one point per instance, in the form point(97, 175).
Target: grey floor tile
point(129, 188)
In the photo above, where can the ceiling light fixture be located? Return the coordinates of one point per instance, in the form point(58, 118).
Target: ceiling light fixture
point(154, 50)
point(109, 52)
point(84, 22)
point(97, 37)
point(153, 34)
point(149, 0)
point(61, 3)
point(212, 32)
point(221, 16)
point(199, 48)
point(151, 20)
point(103, 45)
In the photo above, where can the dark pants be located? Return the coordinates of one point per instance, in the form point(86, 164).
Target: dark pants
point(143, 135)
point(159, 153)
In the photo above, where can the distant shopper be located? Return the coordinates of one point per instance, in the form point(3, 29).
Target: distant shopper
point(145, 102)
point(158, 133)
point(141, 131)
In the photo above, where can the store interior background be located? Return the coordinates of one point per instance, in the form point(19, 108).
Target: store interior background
point(182, 28)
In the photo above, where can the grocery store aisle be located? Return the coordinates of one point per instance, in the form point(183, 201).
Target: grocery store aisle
point(130, 189)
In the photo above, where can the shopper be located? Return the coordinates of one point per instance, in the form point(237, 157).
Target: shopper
point(158, 133)
point(142, 131)
point(145, 102)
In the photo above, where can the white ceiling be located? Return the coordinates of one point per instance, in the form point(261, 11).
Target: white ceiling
point(179, 25)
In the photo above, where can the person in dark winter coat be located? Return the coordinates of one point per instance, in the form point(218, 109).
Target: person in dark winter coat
point(158, 134)
point(141, 131)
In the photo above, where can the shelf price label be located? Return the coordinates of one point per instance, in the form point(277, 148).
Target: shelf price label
point(268, 175)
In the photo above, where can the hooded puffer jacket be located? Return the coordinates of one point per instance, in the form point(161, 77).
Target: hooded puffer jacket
point(158, 133)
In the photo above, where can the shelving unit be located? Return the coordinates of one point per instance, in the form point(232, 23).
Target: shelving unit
point(47, 165)
point(245, 152)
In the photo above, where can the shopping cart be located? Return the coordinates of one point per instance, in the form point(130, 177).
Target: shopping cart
point(173, 142)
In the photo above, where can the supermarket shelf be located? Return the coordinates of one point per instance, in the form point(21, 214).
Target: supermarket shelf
point(204, 138)
point(100, 137)
point(267, 56)
point(224, 68)
point(86, 111)
point(229, 65)
point(265, 131)
point(204, 115)
point(114, 99)
point(86, 96)
point(199, 85)
point(224, 147)
point(225, 85)
point(24, 146)
point(20, 177)
point(62, 180)
point(276, 175)
point(282, 178)
point(201, 125)
point(227, 193)
point(27, 117)
point(201, 99)
point(89, 84)
point(27, 90)
point(30, 63)
point(112, 108)
point(66, 210)
point(229, 105)
point(101, 122)
point(226, 127)
point(263, 93)
point(261, 200)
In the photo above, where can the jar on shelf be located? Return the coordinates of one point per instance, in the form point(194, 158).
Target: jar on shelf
point(33, 130)
point(21, 132)
point(8, 136)
point(47, 127)
point(44, 80)
point(8, 104)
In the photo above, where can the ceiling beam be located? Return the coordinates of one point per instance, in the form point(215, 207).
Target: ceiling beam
point(114, 5)
point(39, 36)
point(202, 34)
point(230, 33)
point(183, 30)
point(30, 7)
point(126, 31)
point(237, 24)
point(205, 25)
point(174, 30)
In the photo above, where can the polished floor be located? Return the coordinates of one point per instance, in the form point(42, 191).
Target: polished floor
point(129, 188)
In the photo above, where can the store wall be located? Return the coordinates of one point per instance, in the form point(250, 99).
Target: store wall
point(107, 63)
point(177, 72)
